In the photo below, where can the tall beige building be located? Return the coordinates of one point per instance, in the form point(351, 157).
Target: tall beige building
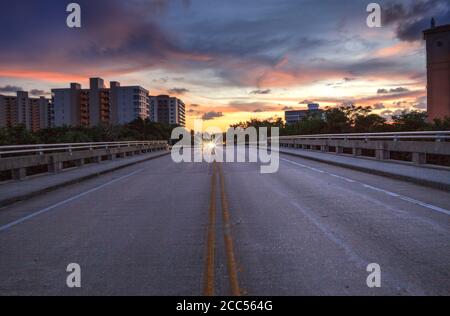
point(438, 70)
point(166, 109)
point(118, 104)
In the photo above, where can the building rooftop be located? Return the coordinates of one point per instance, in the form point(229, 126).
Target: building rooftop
point(437, 29)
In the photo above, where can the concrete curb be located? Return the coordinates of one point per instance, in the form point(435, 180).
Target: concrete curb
point(427, 183)
point(18, 198)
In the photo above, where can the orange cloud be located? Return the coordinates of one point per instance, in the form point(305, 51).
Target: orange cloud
point(401, 48)
point(43, 75)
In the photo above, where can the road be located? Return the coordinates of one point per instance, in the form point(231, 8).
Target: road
point(160, 228)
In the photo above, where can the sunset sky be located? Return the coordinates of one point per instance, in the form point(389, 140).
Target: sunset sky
point(228, 60)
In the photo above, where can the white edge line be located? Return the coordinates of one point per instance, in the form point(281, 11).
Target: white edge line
point(44, 210)
point(401, 197)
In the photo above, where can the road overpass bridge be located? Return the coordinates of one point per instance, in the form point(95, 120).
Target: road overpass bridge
point(153, 227)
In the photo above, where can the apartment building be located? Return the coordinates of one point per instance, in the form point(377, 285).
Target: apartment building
point(128, 103)
point(99, 102)
point(295, 116)
point(41, 113)
point(118, 104)
point(33, 113)
point(8, 112)
point(166, 109)
point(67, 105)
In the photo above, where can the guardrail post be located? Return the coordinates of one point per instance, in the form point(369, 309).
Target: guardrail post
point(356, 151)
point(79, 162)
point(19, 173)
point(339, 150)
point(380, 152)
point(419, 158)
point(55, 167)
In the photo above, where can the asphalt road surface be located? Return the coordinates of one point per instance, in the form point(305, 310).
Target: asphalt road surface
point(160, 228)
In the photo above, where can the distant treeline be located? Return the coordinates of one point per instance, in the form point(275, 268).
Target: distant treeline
point(352, 119)
point(136, 130)
point(336, 120)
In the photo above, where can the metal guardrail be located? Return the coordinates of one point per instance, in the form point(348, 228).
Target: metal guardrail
point(41, 149)
point(420, 148)
point(19, 161)
point(428, 135)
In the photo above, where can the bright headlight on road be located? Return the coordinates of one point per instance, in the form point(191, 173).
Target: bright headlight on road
point(210, 145)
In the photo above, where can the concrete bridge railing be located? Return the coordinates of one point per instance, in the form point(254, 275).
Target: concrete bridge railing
point(18, 161)
point(419, 148)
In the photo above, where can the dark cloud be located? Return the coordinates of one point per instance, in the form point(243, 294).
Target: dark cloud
point(398, 90)
point(37, 92)
point(195, 105)
point(211, 115)
point(102, 43)
point(9, 88)
point(246, 44)
point(259, 91)
point(372, 66)
point(178, 91)
point(306, 101)
point(392, 91)
point(287, 108)
point(400, 103)
point(161, 80)
point(410, 20)
point(194, 112)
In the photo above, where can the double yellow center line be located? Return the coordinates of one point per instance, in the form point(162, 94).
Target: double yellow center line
point(211, 238)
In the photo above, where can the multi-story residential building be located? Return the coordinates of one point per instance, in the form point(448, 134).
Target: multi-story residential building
point(8, 112)
point(152, 105)
point(84, 107)
point(2, 111)
point(128, 103)
point(293, 117)
point(23, 109)
point(99, 105)
point(166, 109)
point(33, 113)
point(99, 102)
point(67, 105)
point(41, 113)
